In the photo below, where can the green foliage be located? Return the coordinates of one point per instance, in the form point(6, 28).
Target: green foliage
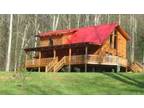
point(71, 83)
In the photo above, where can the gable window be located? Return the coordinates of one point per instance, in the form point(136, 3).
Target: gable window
point(111, 40)
point(115, 39)
point(50, 42)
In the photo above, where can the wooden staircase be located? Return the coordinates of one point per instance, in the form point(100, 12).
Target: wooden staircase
point(60, 64)
point(50, 66)
point(55, 65)
point(136, 67)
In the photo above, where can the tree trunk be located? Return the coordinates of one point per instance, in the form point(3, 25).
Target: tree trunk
point(108, 18)
point(132, 29)
point(78, 20)
point(16, 44)
point(9, 45)
point(55, 22)
point(87, 20)
point(143, 57)
point(36, 29)
point(22, 45)
point(119, 19)
point(97, 19)
point(69, 22)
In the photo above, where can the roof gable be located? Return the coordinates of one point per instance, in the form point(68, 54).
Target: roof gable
point(56, 32)
point(95, 34)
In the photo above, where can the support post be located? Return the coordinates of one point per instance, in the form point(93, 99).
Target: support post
point(86, 57)
point(70, 59)
point(143, 58)
point(26, 58)
point(126, 70)
point(118, 65)
point(46, 69)
point(39, 61)
point(54, 53)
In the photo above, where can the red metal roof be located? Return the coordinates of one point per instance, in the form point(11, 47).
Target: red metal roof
point(56, 32)
point(93, 34)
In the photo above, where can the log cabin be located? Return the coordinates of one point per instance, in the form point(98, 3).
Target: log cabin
point(86, 49)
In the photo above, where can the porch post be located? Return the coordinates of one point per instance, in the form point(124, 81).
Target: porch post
point(118, 65)
point(54, 53)
point(26, 58)
point(69, 59)
point(143, 58)
point(86, 54)
point(39, 61)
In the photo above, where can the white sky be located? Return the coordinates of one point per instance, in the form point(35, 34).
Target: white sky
point(72, 6)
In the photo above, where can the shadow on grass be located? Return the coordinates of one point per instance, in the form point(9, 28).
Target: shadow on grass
point(34, 89)
point(38, 90)
point(5, 92)
point(125, 79)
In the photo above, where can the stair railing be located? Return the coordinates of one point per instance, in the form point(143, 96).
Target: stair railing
point(51, 65)
point(60, 64)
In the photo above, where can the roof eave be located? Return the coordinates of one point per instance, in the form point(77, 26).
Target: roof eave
point(123, 32)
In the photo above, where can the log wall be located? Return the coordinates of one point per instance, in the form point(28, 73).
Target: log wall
point(120, 49)
point(121, 46)
point(57, 40)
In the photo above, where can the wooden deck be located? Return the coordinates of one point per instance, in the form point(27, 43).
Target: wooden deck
point(107, 60)
point(38, 62)
point(79, 59)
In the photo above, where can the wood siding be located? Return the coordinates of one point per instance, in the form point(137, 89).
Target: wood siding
point(57, 40)
point(121, 46)
point(112, 52)
point(79, 59)
point(120, 49)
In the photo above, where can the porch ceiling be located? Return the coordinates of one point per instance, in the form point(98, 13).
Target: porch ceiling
point(65, 46)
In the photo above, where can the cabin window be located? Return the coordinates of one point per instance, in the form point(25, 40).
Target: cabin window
point(50, 42)
point(111, 40)
point(115, 39)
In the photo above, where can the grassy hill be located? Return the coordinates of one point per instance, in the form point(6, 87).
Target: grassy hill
point(71, 83)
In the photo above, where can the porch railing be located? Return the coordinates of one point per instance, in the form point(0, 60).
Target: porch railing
point(38, 62)
point(80, 59)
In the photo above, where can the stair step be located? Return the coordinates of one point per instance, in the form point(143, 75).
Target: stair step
point(136, 67)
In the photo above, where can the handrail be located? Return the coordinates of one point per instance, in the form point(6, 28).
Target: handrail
point(76, 59)
point(59, 64)
point(139, 64)
point(38, 62)
point(51, 65)
point(136, 67)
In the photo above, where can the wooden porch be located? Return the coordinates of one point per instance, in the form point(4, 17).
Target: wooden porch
point(54, 65)
point(55, 57)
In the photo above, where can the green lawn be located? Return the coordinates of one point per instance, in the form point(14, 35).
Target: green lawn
point(72, 83)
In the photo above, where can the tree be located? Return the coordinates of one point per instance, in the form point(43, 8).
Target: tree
point(23, 43)
point(133, 30)
point(9, 44)
point(25, 27)
point(78, 20)
point(16, 42)
point(55, 21)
